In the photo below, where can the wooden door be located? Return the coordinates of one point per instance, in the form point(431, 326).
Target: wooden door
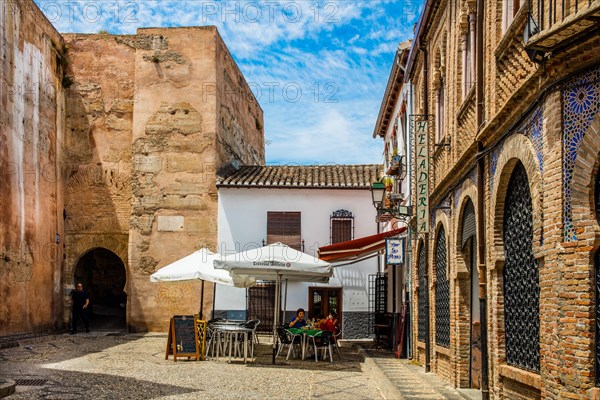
point(476, 360)
point(323, 300)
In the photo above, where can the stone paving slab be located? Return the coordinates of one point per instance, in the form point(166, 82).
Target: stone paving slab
point(92, 366)
point(410, 382)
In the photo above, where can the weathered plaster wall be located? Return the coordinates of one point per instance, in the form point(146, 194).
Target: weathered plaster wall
point(32, 103)
point(98, 148)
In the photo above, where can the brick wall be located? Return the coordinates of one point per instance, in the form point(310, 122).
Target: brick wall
point(514, 90)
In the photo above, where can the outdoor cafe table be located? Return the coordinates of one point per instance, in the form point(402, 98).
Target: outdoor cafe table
point(232, 331)
point(306, 333)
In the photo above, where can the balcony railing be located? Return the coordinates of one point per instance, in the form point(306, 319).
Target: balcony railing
point(555, 23)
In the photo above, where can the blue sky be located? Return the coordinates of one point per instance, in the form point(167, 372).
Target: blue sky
point(318, 68)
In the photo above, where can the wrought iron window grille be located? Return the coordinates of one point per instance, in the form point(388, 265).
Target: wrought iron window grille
point(442, 292)
point(521, 281)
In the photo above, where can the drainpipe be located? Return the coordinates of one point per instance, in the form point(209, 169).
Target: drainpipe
point(485, 392)
point(409, 339)
point(426, 243)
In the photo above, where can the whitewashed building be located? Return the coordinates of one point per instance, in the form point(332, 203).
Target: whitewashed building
point(306, 207)
point(393, 126)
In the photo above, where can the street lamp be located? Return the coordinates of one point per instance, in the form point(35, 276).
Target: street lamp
point(377, 193)
point(378, 197)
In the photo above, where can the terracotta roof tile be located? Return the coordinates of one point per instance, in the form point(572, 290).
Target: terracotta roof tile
point(304, 176)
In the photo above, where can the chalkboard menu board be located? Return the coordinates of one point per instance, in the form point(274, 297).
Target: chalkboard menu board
point(183, 337)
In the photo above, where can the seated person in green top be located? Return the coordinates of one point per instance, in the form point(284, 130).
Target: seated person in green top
point(299, 321)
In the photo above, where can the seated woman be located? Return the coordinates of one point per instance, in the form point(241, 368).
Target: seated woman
point(331, 323)
point(320, 322)
point(299, 321)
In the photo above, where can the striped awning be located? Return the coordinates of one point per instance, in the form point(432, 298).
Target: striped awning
point(357, 248)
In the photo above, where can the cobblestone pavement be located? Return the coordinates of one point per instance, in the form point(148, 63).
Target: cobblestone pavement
point(96, 366)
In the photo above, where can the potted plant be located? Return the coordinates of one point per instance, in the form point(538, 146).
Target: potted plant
point(388, 182)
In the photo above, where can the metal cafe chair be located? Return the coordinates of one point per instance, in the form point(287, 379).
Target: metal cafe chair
point(336, 338)
point(253, 324)
point(323, 342)
point(287, 338)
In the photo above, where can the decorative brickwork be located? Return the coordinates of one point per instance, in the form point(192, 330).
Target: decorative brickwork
point(553, 130)
point(581, 98)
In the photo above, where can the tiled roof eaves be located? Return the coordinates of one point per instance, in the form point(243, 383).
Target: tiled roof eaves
point(239, 186)
point(316, 176)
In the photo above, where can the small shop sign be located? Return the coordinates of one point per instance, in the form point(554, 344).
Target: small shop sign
point(394, 251)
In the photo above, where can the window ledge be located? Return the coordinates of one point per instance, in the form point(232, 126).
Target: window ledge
point(442, 350)
point(466, 103)
point(527, 378)
point(515, 28)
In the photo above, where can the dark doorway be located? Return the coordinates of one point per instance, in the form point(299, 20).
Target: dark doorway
point(469, 248)
point(261, 304)
point(103, 276)
point(323, 300)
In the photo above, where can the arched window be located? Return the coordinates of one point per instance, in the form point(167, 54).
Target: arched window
point(468, 61)
point(521, 283)
point(509, 10)
point(441, 111)
point(422, 295)
point(341, 226)
point(442, 292)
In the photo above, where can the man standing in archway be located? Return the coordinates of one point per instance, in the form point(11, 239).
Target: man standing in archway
point(80, 301)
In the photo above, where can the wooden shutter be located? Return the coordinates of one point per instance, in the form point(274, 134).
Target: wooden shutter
point(341, 230)
point(284, 227)
point(469, 226)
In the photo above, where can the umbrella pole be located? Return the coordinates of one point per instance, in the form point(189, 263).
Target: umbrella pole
point(214, 300)
point(284, 301)
point(202, 300)
point(276, 313)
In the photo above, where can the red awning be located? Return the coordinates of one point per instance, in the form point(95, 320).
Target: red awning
point(357, 248)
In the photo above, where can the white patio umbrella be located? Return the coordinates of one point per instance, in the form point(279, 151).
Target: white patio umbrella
point(276, 261)
point(196, 266)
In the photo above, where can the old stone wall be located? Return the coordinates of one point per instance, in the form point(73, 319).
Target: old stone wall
point(112, 142)
point(183, 133)
point(32, 132)
point(240, 138)
point(97, 163)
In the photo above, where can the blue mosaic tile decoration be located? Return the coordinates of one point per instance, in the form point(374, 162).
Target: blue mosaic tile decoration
point(473, 176)
point(457, 194)
point(494, 155)
point(581, 103)
point(532, 128)
point(446, 205)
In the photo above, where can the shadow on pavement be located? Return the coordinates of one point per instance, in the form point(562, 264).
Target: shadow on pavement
point(78, 385)
point(25, 365)
point(350, 360)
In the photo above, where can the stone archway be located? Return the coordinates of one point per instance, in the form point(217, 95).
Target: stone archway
point(104, 276)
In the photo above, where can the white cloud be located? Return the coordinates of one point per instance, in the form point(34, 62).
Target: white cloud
point(338, 53)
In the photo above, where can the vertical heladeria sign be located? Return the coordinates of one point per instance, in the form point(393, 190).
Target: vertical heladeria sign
point(420, 125)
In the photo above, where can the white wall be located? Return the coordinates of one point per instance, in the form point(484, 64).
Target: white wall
point(242, 225)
